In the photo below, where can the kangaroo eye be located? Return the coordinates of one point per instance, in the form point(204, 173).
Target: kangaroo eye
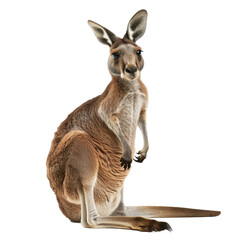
point(139, 52)
point(115, 55)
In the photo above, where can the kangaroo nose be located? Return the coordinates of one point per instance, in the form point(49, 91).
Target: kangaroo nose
point(131, 69)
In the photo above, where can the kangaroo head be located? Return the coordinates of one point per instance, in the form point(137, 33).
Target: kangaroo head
point(125, 60)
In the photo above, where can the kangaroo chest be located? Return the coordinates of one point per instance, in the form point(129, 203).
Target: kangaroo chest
point(128, 113)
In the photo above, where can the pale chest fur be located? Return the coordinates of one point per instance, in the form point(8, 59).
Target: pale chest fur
point(128, 112)
point(122, 114)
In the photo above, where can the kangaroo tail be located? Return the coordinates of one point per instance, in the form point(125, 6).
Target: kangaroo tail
point(169, 212)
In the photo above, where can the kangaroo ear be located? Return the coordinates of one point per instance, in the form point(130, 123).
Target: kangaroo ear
point(137, 26)
point(103, 35)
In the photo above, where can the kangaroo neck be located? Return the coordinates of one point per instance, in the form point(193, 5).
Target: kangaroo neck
point(126, 85)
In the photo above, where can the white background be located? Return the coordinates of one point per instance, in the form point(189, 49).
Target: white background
point(51, 62)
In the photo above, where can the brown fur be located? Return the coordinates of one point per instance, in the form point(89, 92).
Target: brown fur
point(84, 133)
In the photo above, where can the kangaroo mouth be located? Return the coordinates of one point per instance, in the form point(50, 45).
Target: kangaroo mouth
point(130, 75)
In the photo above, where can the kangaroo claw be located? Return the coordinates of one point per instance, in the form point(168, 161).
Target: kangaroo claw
point(126, 164)
point(140, 158)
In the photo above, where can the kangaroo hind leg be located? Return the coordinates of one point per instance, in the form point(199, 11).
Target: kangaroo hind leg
point(91, 218)
point(80, 168)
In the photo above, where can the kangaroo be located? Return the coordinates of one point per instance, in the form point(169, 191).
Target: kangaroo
point(93, 149)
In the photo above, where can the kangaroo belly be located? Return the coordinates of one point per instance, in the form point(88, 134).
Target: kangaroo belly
point(110, 181)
